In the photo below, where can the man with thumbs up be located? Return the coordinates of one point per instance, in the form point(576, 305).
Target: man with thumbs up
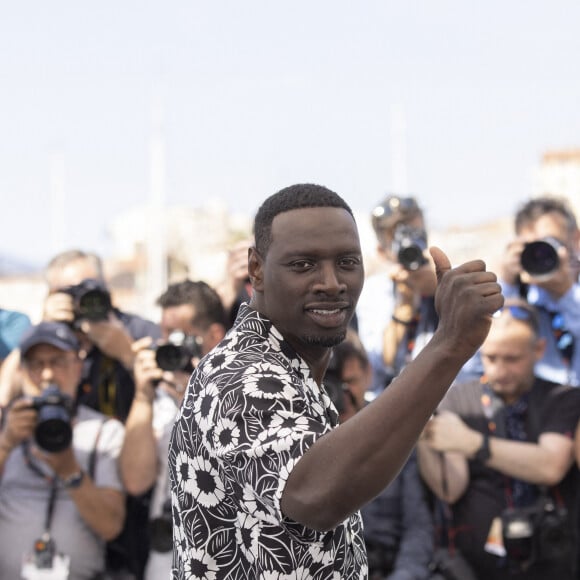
point(264, 481)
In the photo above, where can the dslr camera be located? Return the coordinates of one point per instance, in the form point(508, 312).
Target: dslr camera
point(53, 431)
point(408, 246)
point(177, 352)
point(91, 300)
point(541, 532)
point(540, 257)
point(335, 387)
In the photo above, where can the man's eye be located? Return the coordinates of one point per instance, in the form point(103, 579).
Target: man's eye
point(301, 265)
point(349, 262)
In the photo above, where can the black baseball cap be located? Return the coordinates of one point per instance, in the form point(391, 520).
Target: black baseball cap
point(56, 334)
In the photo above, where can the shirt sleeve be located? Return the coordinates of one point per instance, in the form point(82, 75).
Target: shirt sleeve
point(106, 472)
point(562, 410)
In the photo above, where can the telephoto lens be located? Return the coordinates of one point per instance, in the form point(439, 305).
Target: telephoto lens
point(541, 257)
point(53, 431)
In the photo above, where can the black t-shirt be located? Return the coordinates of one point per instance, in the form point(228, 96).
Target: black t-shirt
point(551, 409)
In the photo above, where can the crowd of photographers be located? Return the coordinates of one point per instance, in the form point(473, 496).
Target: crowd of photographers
point(89, 395)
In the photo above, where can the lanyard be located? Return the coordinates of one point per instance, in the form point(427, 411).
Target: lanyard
point(52, 481)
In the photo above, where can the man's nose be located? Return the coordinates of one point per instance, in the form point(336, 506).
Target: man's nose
point(329, 280)
point(47, 374)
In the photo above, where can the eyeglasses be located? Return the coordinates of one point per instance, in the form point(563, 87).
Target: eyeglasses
point(60, 362)
point(395, 204)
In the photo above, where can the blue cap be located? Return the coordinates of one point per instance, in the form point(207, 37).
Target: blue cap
point(56, 334)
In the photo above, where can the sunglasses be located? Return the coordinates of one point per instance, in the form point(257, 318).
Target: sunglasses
point(517, 312)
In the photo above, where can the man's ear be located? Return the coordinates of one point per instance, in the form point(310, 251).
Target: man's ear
point(539, 348)
point(255, 269)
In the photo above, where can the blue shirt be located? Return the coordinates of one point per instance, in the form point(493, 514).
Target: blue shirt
point(553, 366)
point(12, 327)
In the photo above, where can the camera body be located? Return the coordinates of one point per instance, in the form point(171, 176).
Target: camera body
point(540, 257)
point(335, 388)
point(161, 530)
point(53, 431)
point(541, 532)
point(408, 246)
point(91, 300)
point(177, 352)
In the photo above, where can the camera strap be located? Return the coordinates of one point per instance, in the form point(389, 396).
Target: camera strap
point(52, 481)
point(449, 531)
point(107, 387)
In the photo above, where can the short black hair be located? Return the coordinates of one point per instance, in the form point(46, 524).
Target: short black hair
point(535, 208)
point(302, 195)
point(206, 301)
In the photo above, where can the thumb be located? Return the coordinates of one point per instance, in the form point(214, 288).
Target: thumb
point(442, 263)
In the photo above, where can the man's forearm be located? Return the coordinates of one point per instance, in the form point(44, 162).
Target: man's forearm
point(353, 463)
point(102, 509)
point(446, 474)
point(532, 462)
point(138, 460)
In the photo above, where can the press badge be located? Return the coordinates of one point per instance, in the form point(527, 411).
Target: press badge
point(494, 544)
point(45, 563)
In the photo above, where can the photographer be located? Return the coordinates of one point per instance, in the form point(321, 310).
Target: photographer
point(78, 295)
point(106, 333)
point(502, 447)
point(195, 310)
point(60, 494)
point(395, 312)
point(541, 265)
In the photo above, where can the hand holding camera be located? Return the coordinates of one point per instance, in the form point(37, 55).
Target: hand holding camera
point(149, 373)
point(146, 371)
point(47, 420)
point(19, 425)
point(544, 262)
point(110, 337)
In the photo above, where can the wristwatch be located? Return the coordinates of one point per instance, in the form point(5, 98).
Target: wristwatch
point(74, 481)
point(483, 453)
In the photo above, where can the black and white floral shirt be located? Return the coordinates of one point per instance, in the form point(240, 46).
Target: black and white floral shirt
point(251, 411)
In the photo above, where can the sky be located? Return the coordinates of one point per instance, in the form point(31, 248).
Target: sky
point(254, 95)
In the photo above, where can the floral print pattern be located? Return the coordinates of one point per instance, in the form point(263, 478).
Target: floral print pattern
point(251, 411)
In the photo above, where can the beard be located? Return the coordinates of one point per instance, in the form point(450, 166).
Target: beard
point(326, 341)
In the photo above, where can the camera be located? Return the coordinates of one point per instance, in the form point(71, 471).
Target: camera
point(408, 245)
point(541, 256)
point(542, 532)
point(176, 354)
point(91, 300)
point(53, 431)
point(335, 387)
point(161, 530)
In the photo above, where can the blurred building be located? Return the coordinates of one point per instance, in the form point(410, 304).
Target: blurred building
point(559, 174)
